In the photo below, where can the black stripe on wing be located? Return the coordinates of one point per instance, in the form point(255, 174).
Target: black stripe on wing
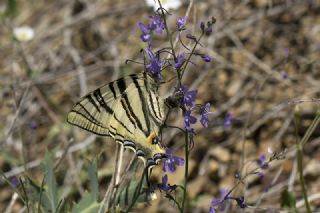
point(122, 86)
point(111, 87)
point(151, 103)
point(143, 104)
point(159, 110)
point(92, 119)
point(122, 124)
point(125, 108)
point(131, 112)
point(90, 99)
point(103, 104)
point(85, 128)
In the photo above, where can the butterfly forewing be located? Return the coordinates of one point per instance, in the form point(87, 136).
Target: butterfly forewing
point(94, 111)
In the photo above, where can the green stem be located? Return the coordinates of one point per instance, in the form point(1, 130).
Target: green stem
point(170, 40)
point(185, 171)
point(301, 177)
point(189, 57)
point(300, 145)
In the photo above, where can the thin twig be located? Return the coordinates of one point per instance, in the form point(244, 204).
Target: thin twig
point(13, 200)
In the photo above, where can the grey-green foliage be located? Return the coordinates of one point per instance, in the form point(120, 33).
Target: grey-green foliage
point(12, 8)
point(50, 181)
point(134, 192)
point(89, 203)
point(288, 200)
point(45, 198)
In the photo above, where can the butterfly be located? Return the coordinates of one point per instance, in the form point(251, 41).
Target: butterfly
point(131, 111)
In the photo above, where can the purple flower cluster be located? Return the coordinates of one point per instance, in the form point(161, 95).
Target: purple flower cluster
point(181, 22)
point(155, 64)
point(169, 165)
point(171, 161)
point(156, 25)
point(188, 103)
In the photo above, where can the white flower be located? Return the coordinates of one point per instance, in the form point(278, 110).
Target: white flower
point(23, 34)
point(166, 4)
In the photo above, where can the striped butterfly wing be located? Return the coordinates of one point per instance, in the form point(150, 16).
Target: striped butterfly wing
point(129, 110)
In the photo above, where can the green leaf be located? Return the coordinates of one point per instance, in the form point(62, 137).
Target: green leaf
point(288, 200)
point(87, 204)
point(35, 192)
point(50, 181)
point(127, 194)
point(12, 8)
point(93, 177)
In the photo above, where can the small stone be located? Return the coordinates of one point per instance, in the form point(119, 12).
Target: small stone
point(312, 168)
point(250, 146)
point(196, 186)
point(220, 153)
point(213, 166)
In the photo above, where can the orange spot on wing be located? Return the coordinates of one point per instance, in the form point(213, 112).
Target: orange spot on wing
point(151, 137)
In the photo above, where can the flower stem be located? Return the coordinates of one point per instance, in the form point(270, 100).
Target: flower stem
point(300, 145)
point(185, 171)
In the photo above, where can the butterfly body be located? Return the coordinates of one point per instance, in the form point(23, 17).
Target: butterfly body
point(130, 110)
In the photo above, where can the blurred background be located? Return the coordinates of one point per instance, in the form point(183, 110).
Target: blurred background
point(265, 67)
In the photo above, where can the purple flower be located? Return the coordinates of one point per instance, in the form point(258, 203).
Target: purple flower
point(237, 176)
point(145, 36)
point(229, 119)
point(284, 75)
point(208, 30)
point(155, 64)
point(165, 186)
point(189, 119)
point(222, 201)
point(181, 21)
point(263, 162)
point(206, 58)
point(156, 24)
point(210, 24)
point(260, 174)
point(204, 115)
point(212, 210)
point(191, 37)
point(171, 161)
point(202, 25)
point(179, 61)
point(34, 125)
point(240, 202)
point(14, 181)
point(188, 96)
